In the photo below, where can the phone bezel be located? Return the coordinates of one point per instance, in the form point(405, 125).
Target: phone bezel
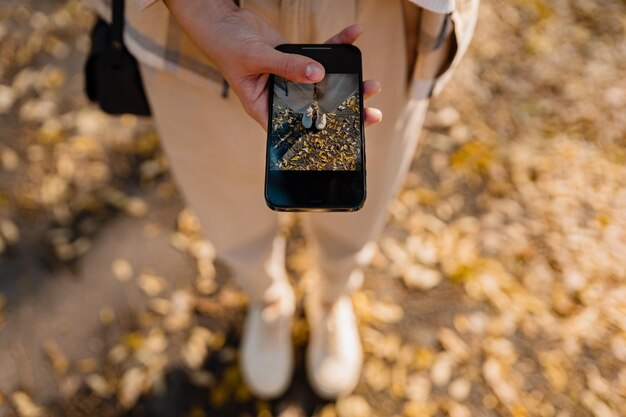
point(318, 190)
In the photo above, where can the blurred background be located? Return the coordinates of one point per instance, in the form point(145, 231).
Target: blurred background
point(498, 287)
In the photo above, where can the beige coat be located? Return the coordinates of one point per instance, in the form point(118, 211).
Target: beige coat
point(217, 153)
point(156, 40)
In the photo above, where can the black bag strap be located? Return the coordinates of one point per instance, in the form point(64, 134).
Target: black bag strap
point(117, 23)
point(117, 31)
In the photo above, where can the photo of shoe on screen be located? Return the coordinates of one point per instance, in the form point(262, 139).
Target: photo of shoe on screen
point(316, 127)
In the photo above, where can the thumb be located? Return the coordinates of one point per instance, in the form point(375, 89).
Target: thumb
point(294, 67)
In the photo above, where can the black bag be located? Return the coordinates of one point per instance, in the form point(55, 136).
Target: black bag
point(112, 77)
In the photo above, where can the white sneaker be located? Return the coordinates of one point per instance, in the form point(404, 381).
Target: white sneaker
point(334, 355)
point(307, 117)
point(321, 121)
point(266, 346)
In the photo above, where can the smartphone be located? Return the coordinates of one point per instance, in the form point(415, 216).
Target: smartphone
point(315, 159)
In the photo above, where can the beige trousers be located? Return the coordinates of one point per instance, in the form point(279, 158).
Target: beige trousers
point(217, 155)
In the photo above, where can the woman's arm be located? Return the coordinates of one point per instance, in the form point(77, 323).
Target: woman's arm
point(241, 45)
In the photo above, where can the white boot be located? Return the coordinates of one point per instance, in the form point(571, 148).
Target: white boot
point(266, 346)
point(334, 355)
point(321, 121)
point(307, 118)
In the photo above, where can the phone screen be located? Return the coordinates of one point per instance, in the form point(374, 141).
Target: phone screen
point(315, 157)
point(316, 127)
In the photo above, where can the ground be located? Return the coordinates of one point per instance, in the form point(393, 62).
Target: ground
point(498, 287)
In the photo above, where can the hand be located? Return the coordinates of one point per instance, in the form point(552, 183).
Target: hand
point(241, 45)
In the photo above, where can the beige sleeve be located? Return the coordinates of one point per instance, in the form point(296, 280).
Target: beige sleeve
point(435, 64)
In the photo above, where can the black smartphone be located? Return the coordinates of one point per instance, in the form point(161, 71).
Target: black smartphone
point(315, 159)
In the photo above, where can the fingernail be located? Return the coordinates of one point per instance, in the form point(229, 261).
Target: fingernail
point(314, 72)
